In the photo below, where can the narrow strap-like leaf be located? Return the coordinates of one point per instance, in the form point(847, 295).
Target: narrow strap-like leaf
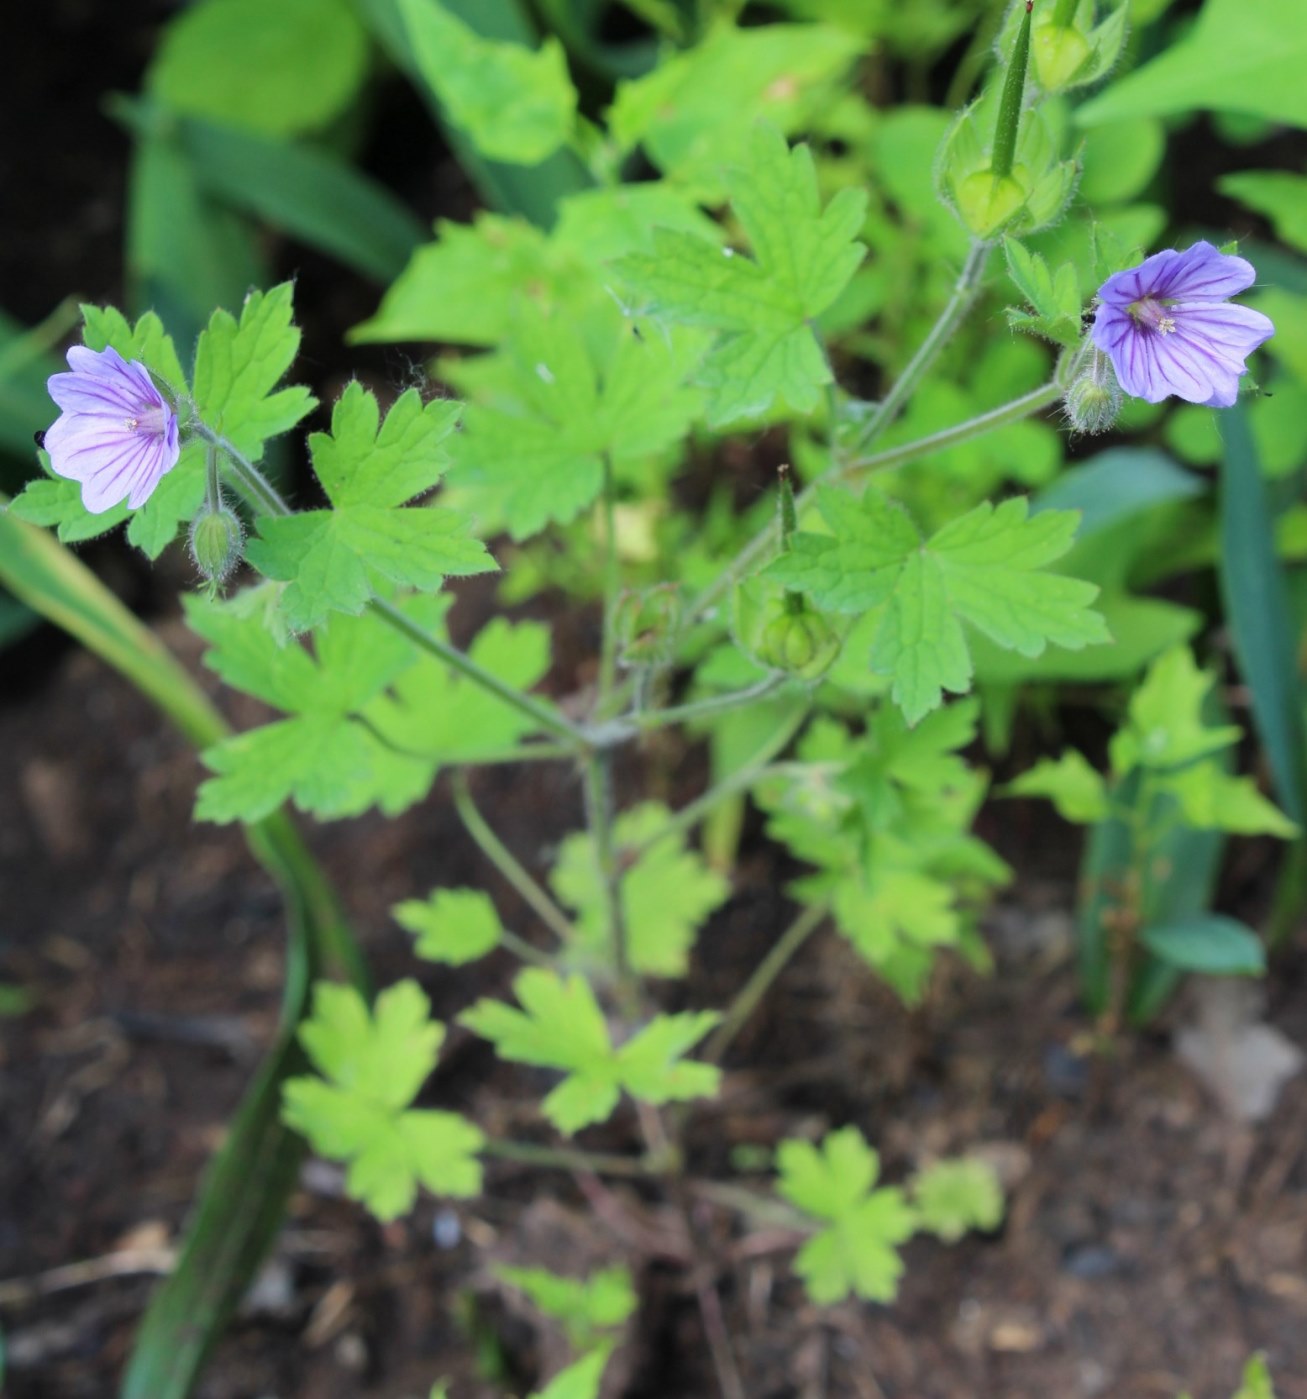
point(1256, 602)
point(243, 1198)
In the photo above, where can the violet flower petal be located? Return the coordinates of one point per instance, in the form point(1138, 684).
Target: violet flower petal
point(116, 435)
point(1168, 331)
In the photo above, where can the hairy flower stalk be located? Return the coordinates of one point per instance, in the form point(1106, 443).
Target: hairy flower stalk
point(1169, 329)
point(116, 434)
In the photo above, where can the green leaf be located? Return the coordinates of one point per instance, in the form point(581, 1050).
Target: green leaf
point(451, 925)
point(1255, 592)
point(516, 105)
point(338, 560)
point(1207, 943)
point(1213, 800)
point(695, 111)
point(1237, 58)
point(242, 61)
point(373, 1065)
point(858, 1250)
point(1256, 1380)
point(1279, 194)
point(667, 893)
point(1075, 789)
point(535, 456)
point(14, 1000)
point(578, 1381)
point(464, 287)
point(1055, 298)
point(953, 1197)
point(981, 569)
point(304, 192)
point(238, 366)
point(804, 256)
point(318, 756)
point(1165, 726)
point(562, 1027)
point(586, 1307)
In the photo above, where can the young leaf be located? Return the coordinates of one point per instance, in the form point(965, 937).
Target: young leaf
point(667, 893)
point(536, 456)
point(1256, 1380)
point(803, 258)
point(1165, 727)
point(452, 925)
point(857, 1250)
point(517, 106)
point(1075, 789)
point(1208, 943)
point(238, 365)
point(562, 1027)
point(318, 756)
point(954, 1196)
point(372, 1067)
point(579, 1381)
point(1055, 297)
point(586, 1307)
point(337, 560)
point(1214, 800)
point(983, 569)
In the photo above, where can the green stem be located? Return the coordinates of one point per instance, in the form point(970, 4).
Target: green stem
point(599, 820)
point(959, 303)
point(506, 863)
point(608, 643)
point(249, 480)
point(741, 780)
point(1011, 412)
point(1009, 103)
point(751, 993)
point(212, 482)
point(566, 1158)
point(705, 708)
point(543, 715)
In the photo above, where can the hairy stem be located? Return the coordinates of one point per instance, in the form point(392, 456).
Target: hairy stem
point(600, 815)
point(959, 303)
point(612, 579)
point(506, 863)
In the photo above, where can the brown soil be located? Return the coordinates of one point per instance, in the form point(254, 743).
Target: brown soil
point(1150, 1244)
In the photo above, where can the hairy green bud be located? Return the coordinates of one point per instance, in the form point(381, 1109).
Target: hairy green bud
point(1093, 402)
point(802, 643)
point(216, 539)
point(645, 622)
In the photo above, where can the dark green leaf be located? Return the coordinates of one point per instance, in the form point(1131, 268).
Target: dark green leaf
point(1207, 943)
point(1256, 602)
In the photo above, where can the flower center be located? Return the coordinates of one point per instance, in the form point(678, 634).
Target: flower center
point(150, 422)
point(1151, 314)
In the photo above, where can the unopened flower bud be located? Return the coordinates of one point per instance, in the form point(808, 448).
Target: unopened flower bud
point(215, 541)
point(1060, 52)
point(645, 622)
point(802, 643)
point(1093, 402)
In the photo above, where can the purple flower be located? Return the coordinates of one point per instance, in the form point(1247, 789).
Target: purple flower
point(116, 434)
point(1168, 329)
